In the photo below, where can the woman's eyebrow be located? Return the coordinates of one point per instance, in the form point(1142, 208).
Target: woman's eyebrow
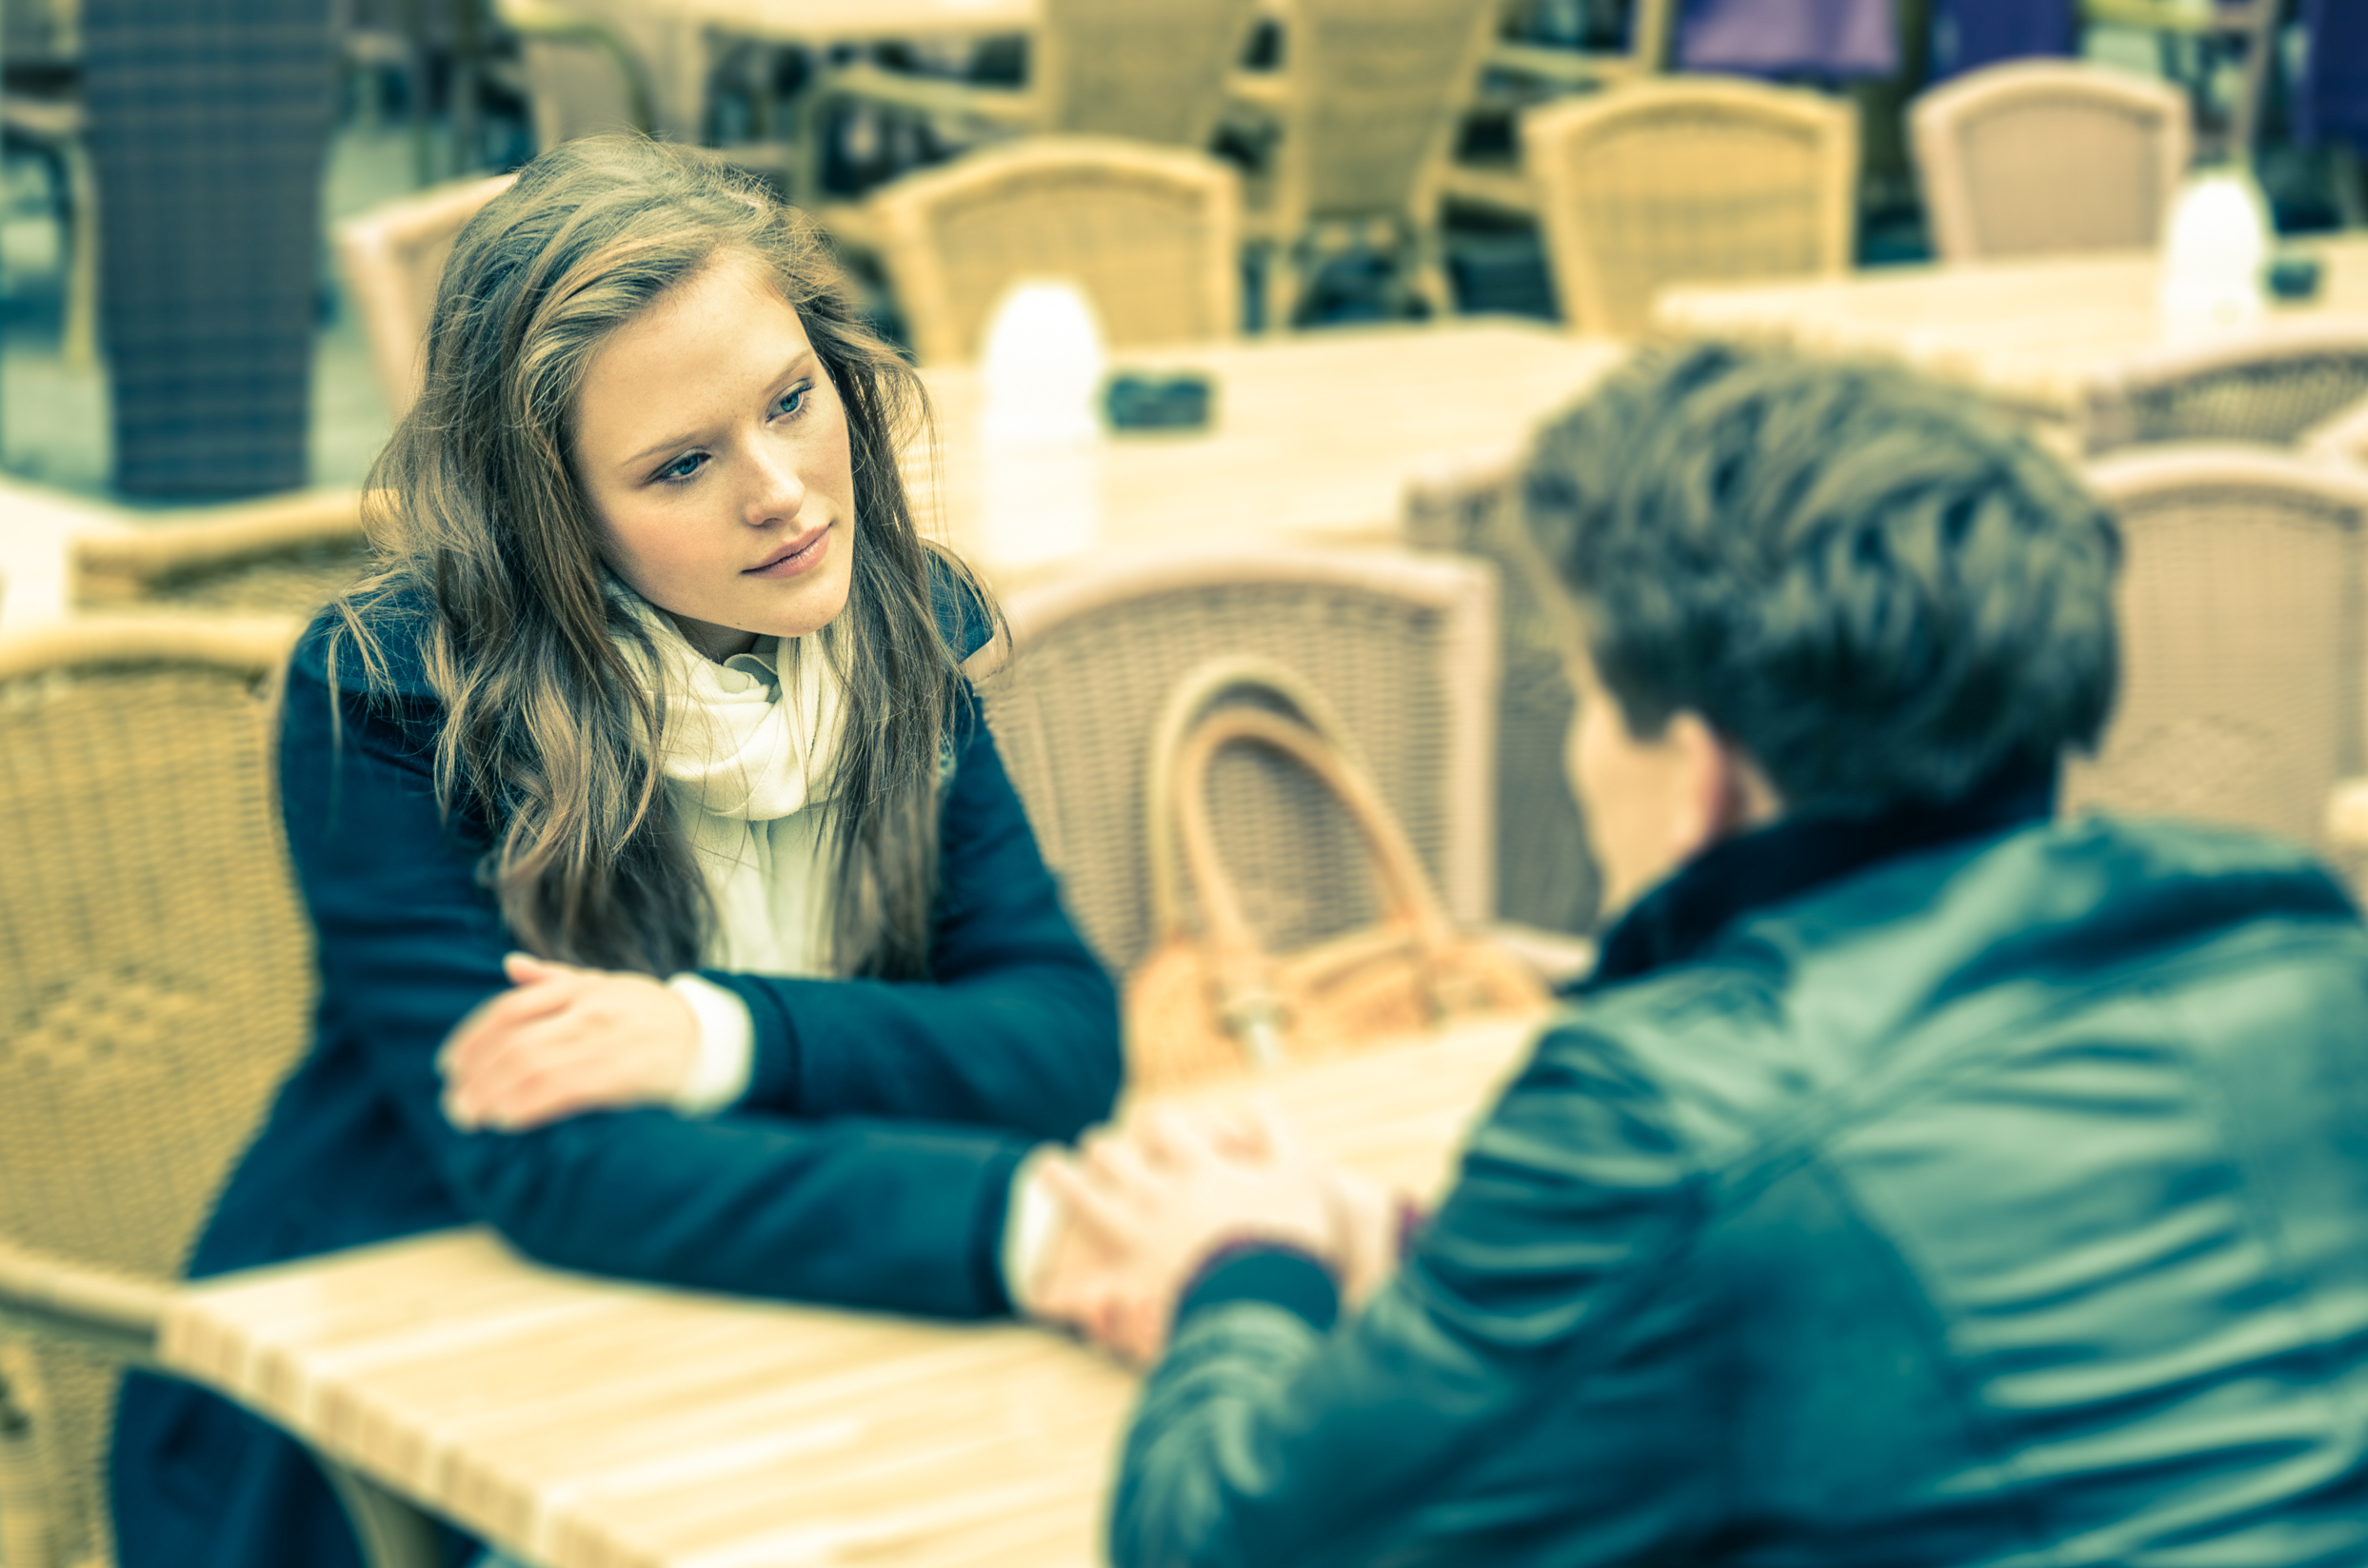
point(804, 360)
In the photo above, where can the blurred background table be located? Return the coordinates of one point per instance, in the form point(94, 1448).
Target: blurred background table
point(1312, 438)
point(2031, 333)
point(598, 1423)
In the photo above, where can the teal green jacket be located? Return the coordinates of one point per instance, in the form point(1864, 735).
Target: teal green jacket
point(1944, 1193)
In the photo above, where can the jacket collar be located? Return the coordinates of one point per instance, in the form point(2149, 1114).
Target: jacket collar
point(1791, 856)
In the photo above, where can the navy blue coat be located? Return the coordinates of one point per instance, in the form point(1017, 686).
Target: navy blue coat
point(1908, 1195)
point(867, 1165)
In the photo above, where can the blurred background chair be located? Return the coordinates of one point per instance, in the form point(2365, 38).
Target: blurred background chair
point(1688, 180)
point(1352, 136)
point(1150, 234)
point(1152, 72)
point(392, 256)
point(2271, 384)
point(583, 77)
point(1519, 72)
point(2042, 155)
point(1403, 646)
point(1545, 873)
point(2242, 648)
point(155, 984)
point(283, 557)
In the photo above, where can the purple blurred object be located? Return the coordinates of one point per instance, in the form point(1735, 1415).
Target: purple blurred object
point(1831, 39)
point(2332, 102)
point(1967, 34)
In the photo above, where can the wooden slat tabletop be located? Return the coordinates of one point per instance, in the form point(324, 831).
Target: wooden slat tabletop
point(597, 1423)
point(2029, 332)
point(1314, 435)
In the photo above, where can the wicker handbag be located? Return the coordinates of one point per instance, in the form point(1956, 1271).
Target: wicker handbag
point(1210, 1002)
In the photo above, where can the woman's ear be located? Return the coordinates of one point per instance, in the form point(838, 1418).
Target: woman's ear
point(1719, 791)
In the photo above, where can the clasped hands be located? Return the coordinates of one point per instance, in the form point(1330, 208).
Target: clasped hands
point(1144, 1203)
point(1147, 1202)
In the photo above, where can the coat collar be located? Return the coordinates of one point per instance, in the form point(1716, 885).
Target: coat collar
point(1789, 856)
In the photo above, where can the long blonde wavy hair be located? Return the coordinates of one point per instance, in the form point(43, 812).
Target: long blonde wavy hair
point(549, 733)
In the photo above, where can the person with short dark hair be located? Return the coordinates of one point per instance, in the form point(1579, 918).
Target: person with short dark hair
point(1918, 1179)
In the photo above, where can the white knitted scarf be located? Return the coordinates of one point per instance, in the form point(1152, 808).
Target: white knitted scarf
point(749, 752)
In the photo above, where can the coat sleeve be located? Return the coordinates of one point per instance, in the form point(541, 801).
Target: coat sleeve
point(901, 1215)
point(1482, 1399)
point(1016, 1025)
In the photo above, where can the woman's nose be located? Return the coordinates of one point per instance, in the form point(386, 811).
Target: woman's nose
point(775, 489)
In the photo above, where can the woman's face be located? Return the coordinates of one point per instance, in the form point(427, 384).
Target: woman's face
point(713, 450)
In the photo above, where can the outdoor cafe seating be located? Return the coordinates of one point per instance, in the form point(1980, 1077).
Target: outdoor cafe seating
point(1285, 225)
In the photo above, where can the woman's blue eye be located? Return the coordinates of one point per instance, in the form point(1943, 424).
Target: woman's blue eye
point(683, 467)
point(790, 402)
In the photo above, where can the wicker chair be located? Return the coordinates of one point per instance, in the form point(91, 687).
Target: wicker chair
point(2244, 662)
point(155, 984)
point(2342, 438)
point(2272, 385)
point(1518, 75)
point(1150, 233)
point(282, 557)
point(1688, 179)
point(1545, 873)
point(392, 256)
point(581, 76)
point(1403, 646)
point(1358, 128)
point(1149, 72)
point(2049, 155)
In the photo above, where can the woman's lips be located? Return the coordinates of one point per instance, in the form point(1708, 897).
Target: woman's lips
point(795, 558)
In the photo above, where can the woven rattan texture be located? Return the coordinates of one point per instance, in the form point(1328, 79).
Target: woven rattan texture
point(1155, 72)
point(1677, 192)
point(292, 583)
point(2240, 615)
point(2274, 401)
point(2061, 174)
point(1141, 246)
point(1374, 84)
point(1073, 715)
point(155, 983)
point(1545, 874)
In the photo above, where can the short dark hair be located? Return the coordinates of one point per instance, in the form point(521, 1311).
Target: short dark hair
point(1876, 587)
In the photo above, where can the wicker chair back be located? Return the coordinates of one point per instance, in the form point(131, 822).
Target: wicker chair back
point(2049, 155)
point(1692, 180)
point(1546, 872)
point(2269, 386)
point(1402, 648)
point(155, 984)
point(285, 556)
point(2242, 647)
point(1151, 234)
point(1148, 72)
point(393, 257)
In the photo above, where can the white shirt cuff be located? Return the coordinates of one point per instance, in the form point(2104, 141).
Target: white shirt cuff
point(1031, 1219)
point(718, 1073)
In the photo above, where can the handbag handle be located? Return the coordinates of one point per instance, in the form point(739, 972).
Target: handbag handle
point(1202, 685)
point(1247, 1000)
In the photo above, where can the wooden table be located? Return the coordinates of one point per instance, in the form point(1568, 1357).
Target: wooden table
point(1314, 438)
point(594, 1423)
point(2029, 332)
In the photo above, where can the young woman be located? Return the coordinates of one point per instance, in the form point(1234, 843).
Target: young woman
point(667, 879)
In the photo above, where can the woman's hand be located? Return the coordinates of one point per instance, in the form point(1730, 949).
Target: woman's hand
point(564, 1040)
point(1146, 1205)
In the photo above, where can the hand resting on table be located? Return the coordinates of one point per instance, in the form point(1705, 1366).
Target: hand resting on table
point(564, 1040)
point(1148, 1203)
